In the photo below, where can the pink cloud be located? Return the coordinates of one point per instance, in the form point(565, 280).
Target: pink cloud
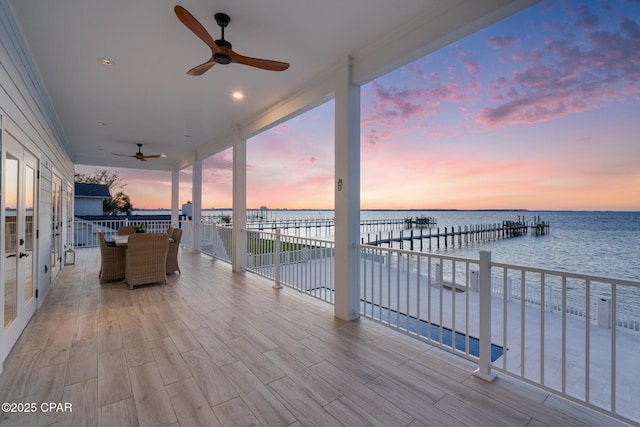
point(469, 61)
point(585, 18)
point(281, 129)
point(373, 136)
point(222, 160)
point(501, 42)
point(541, 108)
point(560, 78)
point(391, 105)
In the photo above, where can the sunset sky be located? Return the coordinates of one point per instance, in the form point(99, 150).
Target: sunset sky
point(539, 111)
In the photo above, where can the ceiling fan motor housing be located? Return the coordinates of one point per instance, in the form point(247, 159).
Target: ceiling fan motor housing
point(222, 58)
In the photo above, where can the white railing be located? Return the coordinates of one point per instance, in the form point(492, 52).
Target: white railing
point(575, 335)
point(413, 293)
point(305, 264)
point(627, 314)
point(216, 241)
point(213, 239)
point(84, 232)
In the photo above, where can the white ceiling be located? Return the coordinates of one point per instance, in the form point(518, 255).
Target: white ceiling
point(146, 97)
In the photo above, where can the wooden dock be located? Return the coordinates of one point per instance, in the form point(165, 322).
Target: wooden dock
point(289, 224)
point(421, 222)
point(460, 236)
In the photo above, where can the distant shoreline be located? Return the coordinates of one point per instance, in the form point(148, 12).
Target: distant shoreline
point(396, 210)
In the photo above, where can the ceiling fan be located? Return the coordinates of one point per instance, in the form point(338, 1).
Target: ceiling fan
point(141, 156)
point(221, 52)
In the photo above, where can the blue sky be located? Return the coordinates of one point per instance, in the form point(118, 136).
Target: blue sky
point(538, 111)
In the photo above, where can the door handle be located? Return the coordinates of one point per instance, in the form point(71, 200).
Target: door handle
point(23, 254)
point(11, 256)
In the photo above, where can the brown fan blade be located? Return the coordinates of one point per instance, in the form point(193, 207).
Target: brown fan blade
point(199, 70)
point(264, 64)
point(196, 27)
point(151, 156)
point(125, 155)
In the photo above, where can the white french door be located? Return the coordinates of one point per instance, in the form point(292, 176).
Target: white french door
point(20, 204)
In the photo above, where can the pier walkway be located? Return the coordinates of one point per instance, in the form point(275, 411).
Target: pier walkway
point(425, 239)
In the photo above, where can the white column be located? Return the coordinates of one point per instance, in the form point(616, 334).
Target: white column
point(175, 197)
point(484, 362)
point(196, 190)
point(347, 193)
point(239, 204)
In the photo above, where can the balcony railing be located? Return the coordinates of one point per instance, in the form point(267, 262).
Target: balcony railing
point(303, 263)
point(84, 232)
point(575, 335)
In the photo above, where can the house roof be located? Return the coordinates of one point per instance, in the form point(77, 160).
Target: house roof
point(96, 191)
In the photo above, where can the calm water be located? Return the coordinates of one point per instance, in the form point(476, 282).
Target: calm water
point(597, 243)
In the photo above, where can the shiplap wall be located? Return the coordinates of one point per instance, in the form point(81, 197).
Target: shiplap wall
point(28, 114)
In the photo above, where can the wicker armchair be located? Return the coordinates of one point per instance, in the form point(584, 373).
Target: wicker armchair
point(126, 229)
point(146, 259)
point(112, 261)
point(172, 255)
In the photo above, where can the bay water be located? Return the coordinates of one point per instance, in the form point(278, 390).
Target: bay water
point(599, 243)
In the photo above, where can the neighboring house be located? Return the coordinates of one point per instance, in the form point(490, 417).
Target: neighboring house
point(89, 197)
point(88, 202)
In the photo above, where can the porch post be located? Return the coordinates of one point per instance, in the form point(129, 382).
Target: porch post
point(175, 197)
point(484, 364)
point(347, 193)
point(239, 213)
point(196, 190)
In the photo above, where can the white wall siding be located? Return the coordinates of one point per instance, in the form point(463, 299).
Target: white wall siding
point(28, 114)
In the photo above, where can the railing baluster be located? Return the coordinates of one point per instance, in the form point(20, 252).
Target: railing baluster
point(522, 323)
point(453, 304)
point(614, 327)
point(484, 358)
point(429, 284)
point(505, 299)
point(408, 291)
point(543, 303)
point(418, 296)
point(564, 334)
point(587, 341)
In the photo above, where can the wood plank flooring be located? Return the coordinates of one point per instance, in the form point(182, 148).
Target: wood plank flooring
point(214, 347)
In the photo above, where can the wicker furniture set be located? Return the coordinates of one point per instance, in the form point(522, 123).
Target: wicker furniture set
point(146, 257)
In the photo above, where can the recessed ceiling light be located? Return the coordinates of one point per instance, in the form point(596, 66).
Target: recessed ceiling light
point(101, 124)
point(238, 95)
point(105, 61)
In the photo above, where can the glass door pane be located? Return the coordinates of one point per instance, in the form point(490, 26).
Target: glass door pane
point(27, 256)
point(56, 225)
point(10, 240)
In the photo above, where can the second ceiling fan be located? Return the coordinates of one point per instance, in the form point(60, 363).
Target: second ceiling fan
point(140, 156)
point(221, 52)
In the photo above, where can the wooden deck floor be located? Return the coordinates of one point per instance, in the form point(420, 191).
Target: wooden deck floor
point(217, 348)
